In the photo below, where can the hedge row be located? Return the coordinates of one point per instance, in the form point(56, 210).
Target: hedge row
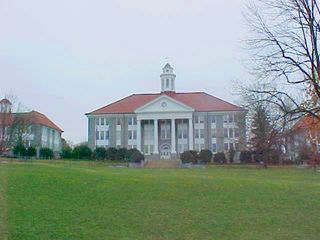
point(21, 151)
point(204, 156)
point(101, 154)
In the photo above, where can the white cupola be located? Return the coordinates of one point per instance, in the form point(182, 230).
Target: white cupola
point(168, 79)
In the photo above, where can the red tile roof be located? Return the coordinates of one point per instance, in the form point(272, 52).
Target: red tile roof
point(306, 122)
point(32, 117)
point(200, 101)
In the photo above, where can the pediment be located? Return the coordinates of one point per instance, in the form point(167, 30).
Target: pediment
point(164, 104)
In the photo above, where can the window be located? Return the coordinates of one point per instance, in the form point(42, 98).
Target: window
point(118, 121)
point(102, 121)
point(231, 132)
point(225, 132)
point(107, 121)
point(201, 133)
point(201, 119)
point(236, 132)
point(146, 149)
point(213, 119)
point(167, 83)
point(165, 129)
point(225, 119)
point(213, 133)
point(97, 121)
point(107, 135)
point(231, 118)
point(130, 121)
point(97, 135)
point(197, 133)
point(196, 119)
point(180, 133)
point(102, 135)
point(185, 135)
point(134, 134)
point(134, 121)
point(129, 134)
point(214, 147)
point(231, 146)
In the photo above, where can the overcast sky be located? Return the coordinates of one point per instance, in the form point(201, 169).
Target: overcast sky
point(65, 58)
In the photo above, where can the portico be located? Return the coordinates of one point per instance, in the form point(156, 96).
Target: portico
point(165, 143)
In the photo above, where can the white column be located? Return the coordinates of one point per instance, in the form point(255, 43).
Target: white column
point(156, 137)
point(173, 136)
point(139, 135)
point(190, 134)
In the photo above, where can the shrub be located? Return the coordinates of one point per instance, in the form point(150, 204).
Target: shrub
point(231, 155)
point(189, 157)
point(31, 152)
point(246, 156)
point(111, 154)
point(121, 154)
point(82, 152)
point(136, 156)
point(46, 153)
point(205, 156)
point(66, 153)
point(20, 150)
point(100, 153)
point(219, 157)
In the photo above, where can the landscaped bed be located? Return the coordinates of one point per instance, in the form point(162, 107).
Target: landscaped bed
point(87, 200)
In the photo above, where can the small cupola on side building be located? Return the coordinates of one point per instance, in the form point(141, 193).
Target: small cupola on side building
point(168, 79)
point(5, 106)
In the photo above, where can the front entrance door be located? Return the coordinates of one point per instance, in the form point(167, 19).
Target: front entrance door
point(165, 151)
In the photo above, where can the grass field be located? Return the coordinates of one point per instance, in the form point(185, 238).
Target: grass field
point(69, 200)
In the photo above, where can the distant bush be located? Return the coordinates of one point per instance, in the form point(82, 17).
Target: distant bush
point(31, 152)
point(20, 150)
point(66, 153)
point(82, 152)
point(135, 156)
point(121, 154)
point(100, 153)
point(189, 157)
point(205, 156)
point(304, 153)
point(111, 154)
point(46, 153)
point(219, 158)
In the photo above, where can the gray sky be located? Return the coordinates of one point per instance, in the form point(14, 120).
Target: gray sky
point(65, 58)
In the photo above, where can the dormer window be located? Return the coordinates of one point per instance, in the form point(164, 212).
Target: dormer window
point(167, 70)
point(167, 83)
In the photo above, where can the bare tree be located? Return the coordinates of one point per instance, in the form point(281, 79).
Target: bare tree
point(14, 126)
point(284, 46)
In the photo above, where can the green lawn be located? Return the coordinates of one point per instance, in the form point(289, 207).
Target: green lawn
point(70, 200)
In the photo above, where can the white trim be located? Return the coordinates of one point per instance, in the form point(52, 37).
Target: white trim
point(162, 97)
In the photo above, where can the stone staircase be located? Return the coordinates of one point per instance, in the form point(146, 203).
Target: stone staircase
point(162, 164)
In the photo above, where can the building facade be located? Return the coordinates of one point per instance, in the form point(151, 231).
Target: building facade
point(304, 136)
point(34, 128)
point(163, 125)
